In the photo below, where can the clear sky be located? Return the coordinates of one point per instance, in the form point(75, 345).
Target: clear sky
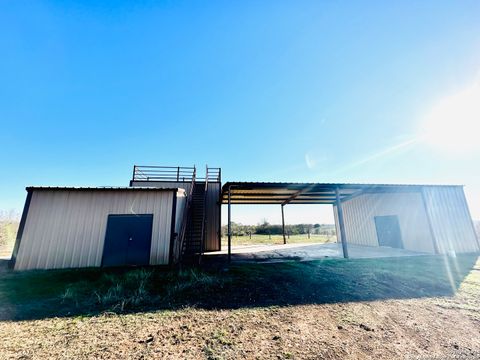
point(320, 91)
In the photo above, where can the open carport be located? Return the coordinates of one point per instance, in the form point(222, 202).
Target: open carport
point(372, 220)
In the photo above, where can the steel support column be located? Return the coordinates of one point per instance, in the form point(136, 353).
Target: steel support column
point(341, 224)
point(229, 228)
point(283, 226)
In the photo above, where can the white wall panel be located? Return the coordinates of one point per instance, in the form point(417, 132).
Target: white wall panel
point(451, 221)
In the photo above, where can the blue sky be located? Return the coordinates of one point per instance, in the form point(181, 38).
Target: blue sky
point(285, 91)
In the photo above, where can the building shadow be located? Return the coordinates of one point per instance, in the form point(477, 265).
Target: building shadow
point(80, 292)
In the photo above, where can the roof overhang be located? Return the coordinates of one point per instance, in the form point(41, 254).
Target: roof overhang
point(282, 193)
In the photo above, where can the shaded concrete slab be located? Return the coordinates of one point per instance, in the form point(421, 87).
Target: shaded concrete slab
point(305, 252)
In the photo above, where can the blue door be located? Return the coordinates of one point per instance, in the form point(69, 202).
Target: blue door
point(388, 231)
point(127, 241)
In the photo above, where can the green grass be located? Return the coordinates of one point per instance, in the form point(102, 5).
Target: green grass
point(34, 294)
point(278, 239)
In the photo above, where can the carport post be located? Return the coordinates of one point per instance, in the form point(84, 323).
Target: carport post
point(283, 227)
point(229, 228)
point(341, 223)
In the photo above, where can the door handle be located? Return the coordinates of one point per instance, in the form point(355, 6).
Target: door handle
point(130, 238)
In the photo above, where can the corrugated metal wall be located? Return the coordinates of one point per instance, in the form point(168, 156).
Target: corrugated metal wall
point(446, 207)
point(66, 228)
point(360, 211)
point(451, 221)
point(212, 241)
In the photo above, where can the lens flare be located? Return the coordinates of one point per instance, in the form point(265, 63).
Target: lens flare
point(453, 124)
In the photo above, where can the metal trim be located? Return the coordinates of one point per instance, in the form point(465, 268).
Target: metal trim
point(471, 219)
point(172, 228)
point(341, 224)
point(21, 227)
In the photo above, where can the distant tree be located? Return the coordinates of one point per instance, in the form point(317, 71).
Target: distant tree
point(9, 215)
point(265, 228)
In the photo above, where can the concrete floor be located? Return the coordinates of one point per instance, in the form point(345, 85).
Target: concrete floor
point(305, 252)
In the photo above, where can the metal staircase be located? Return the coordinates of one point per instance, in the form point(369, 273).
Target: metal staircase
point(190, 243)
point(195, 235)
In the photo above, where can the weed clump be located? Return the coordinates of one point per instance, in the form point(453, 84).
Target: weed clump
point(120, 292)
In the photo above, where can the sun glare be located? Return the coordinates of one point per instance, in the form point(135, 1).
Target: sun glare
point(453, 125)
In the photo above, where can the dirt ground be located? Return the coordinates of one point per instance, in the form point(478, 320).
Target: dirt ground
point(332, 309)
point(408, 329)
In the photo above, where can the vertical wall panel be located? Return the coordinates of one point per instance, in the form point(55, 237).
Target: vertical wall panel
point(66, 228)
point(212, 241)
point(450, 219)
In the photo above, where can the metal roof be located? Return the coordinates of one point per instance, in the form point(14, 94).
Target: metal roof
point(282, 193)
point(86, 188)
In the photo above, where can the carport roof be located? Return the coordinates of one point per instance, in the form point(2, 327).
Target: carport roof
point(282, 193)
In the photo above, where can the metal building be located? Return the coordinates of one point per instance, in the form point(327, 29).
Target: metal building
point(84, 227)
point(169, 214)
point(422, 218)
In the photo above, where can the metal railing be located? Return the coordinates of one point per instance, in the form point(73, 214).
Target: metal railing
point(163, 173)
point(212, 175)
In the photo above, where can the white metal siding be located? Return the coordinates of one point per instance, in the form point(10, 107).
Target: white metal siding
point(451, 221)
point(66, 228)
point(181, 200)
point(360, 212)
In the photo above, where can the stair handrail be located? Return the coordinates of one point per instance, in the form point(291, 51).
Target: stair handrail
point(186, 211)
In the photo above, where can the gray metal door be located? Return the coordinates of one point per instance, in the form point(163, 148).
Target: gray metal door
point(127, 241)
point(388, 231)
